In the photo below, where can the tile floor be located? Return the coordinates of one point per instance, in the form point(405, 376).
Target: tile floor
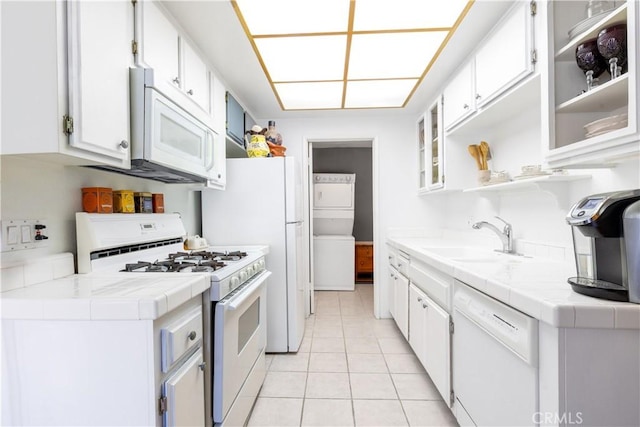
point(351, 369)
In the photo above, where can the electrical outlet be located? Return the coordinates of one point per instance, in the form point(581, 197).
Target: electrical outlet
point(18, 234)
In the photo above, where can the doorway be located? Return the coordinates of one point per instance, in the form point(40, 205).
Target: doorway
point(346, 156)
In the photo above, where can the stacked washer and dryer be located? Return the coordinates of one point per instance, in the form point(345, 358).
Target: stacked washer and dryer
point(333, 241)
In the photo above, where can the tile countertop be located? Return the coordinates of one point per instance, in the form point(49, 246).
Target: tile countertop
point(535, 286)
point(102, 297)
point(46, 288)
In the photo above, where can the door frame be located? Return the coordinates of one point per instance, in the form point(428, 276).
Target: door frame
point(307, 155)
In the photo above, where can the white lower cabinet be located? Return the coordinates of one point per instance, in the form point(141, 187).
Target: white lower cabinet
point(417, 322)
point(401, 302)
point(429, 337)
point(183, 391)
point(118, 372)
point(399, 289)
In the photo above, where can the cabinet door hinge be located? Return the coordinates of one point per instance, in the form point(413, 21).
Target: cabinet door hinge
point(451, 327)
point(534, 8)
point(452, 398)
point(67, 124)
point(134, 47)
point(162, 405)
point(534, 56)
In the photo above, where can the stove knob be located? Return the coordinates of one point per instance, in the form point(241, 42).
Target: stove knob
point(234, 282)
point(256, 267)
point(243, 276)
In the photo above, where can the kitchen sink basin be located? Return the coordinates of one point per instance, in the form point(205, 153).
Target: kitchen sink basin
point(459, 252)
point(476, 255)
point(498, 258)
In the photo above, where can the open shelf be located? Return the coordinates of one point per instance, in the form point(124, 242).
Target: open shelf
point(567, 52)
point(526, 182)
point(606, 97)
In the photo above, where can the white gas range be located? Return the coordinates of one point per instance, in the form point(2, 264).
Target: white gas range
point(234, 308)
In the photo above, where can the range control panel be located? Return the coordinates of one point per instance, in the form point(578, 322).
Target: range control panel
point(18, 234)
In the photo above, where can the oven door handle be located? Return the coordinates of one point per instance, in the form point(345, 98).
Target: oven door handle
point(248, 291)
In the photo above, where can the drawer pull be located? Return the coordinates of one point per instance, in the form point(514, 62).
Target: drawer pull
point(202, 366)
point(419, 299)
point(424, 305)
point(192, 335)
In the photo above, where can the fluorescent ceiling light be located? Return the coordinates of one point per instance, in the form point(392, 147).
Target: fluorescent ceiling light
point(320, 54)
point(303, 58)
point(294, 16)
point(310, 96)
point(406, 14)
point(399, 55)
point(378, 93)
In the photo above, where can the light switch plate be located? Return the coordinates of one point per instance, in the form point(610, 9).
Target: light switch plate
point(18, 234)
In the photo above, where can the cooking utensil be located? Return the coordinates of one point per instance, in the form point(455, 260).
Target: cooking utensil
point(474, 150)
point(485, 153)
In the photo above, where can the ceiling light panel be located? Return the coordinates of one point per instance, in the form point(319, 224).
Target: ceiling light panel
point(310, 96)
point(302, 47)
point(406, 14)
point(378, 93)
point(392, 55)
point(309, 58)
point(295, 16)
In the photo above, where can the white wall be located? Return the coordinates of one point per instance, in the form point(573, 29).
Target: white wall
point(33, 189)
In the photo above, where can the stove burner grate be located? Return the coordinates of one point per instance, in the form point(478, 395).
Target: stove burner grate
point(173, 265)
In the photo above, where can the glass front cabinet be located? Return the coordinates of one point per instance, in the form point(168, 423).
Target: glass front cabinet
point(430, 148)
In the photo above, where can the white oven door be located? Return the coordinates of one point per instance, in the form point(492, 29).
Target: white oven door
point(177, 140)
point(239, 339)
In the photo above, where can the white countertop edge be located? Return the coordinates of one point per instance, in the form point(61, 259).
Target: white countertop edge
point(553, 302)
point(145, 307)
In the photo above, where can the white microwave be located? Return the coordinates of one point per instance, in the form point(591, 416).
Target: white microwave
point(169, 144)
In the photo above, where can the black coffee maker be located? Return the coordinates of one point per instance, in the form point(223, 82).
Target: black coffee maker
point(599, 244)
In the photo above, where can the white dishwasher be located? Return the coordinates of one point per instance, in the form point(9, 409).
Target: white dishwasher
point(495, 362)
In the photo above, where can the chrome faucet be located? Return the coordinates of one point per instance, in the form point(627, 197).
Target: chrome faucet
point(506, 235)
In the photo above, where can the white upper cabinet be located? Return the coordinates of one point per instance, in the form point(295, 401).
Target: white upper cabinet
point(431, 148)
point(459, 100)
point(506, 56)
point(196, 77)
point(501, 61)
point(592, 127)
point(99, 60)
point(180, 72)
point(67, 65)
point(160, 48)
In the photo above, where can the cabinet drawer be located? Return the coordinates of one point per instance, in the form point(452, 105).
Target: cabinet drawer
point(402, 264)
point(180, 336)
point(433, 282)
